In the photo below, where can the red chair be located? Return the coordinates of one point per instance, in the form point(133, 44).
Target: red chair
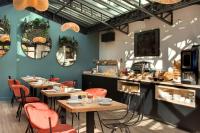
point(37, 105)
point(10, 83)
point(69, 83)
point(96, 92)
point(46, 121)
point(54, 79)
point(21, 93)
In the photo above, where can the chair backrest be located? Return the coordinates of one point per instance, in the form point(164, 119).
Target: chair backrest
point(69, 83)
point(13, 82)
point(136, 104)
point(17, 90)
point(54, 79)
point(42, 119)
point(97, 92)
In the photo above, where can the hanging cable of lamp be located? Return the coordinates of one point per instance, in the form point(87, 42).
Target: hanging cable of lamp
point(167, 1)
point(40, 5)
point(70, 25)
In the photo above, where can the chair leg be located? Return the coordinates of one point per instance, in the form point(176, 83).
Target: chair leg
point(100, 122)
point(78, 122)
point(12, 100)
point(17, 113)
point(20, 112)
point(72, 119)
point(28, 128)
point(113, 130)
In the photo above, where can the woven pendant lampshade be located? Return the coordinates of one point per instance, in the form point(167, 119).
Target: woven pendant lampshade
point(5, 38)
point(40, 5)
point(70, 25)
point(167, 1)
point(39, 40)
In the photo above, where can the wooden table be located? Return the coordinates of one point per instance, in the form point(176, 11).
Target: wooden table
point(53, 94)
point(90, 109)
point(32, 81)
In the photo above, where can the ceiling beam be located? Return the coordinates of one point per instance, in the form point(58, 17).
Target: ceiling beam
point(109, 6)
point(5, 2)
point(137, 15)
point(56, 18)
point(96, 8)
point(61, 8)
point(138, 6)
point(121, 4)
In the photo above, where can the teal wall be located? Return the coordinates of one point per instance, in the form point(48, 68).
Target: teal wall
point(16, 64)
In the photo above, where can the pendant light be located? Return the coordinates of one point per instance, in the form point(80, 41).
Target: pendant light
point(70, 25)
point(167, 1)
point(40, 5)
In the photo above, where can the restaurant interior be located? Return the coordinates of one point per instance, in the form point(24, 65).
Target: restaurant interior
point(99, 66)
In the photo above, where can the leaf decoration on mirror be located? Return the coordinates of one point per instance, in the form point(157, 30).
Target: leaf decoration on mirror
point(67, 51)
point(36, 42)
point(5, 40)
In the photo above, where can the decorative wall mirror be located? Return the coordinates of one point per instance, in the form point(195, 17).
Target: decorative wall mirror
point(67, 51)
point(4, 36)
point(36, 42)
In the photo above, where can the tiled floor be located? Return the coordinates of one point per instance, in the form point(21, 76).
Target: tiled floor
point(9, 124)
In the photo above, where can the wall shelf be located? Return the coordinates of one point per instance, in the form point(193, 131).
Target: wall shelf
point(180, 96)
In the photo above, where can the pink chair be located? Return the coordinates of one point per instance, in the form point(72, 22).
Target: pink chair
point(21, 93)
point(10, 83)
point(69, 83)
point(46, 121)
point(37, 105)
point(54, 79)
point(96, 92)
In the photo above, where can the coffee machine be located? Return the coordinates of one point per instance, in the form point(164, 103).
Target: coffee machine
point(190, 65)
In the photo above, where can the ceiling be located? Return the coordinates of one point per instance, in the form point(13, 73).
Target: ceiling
point(98, 15)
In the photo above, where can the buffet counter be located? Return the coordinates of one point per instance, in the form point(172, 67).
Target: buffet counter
point(170, 83)
point(174, 103)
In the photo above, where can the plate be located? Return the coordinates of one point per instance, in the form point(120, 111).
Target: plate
point(105, 103)
point(71, 101)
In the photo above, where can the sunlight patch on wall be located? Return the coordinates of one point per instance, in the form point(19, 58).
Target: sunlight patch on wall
point(171, 54)
point(159, 65)
point(178, 57)
point(182, 28)
point(128, 63)
point(181, 45)
point(166, 38)
point(129, 54)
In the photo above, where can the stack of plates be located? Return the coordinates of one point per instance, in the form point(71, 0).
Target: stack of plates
point(105, 101)
point(74, 101)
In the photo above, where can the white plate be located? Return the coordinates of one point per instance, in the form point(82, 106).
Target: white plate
point(105, 103)
point(71, 101)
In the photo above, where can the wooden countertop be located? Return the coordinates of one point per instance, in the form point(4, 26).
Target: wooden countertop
point(171, 83)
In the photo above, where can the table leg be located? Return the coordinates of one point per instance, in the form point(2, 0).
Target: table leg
point(32, 91)
point(90, 122)
point(63, 115)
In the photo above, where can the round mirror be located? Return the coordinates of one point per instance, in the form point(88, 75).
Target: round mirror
point(67, 51)
point(4, 36)
point(36, 43)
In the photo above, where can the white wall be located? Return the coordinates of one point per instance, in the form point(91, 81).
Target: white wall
point(184, 32)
